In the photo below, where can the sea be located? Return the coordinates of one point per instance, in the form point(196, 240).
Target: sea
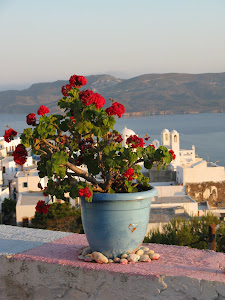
point(206, 131)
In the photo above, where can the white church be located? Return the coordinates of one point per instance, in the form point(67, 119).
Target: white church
point(188, 166)
point(171, 140)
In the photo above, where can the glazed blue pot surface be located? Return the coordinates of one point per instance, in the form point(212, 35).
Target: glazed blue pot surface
point(116, 223)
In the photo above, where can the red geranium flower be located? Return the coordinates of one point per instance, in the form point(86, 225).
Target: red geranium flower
point(42, 207)
point(87, 97)
point(9, 135)
point(173, 154)
point(116, 109)
point(20, 154)
point(152, 146)
point(42, 110)
point(31, 119)
point(129, 174)
point(119, 139)
point(78, 80)
point(85, 192)
point(99, 101)
point(135, 141)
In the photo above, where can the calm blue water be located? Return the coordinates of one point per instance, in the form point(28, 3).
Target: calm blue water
point(205, 131)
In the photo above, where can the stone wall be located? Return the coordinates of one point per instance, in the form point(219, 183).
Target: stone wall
point(214, 192)
point(41, 264)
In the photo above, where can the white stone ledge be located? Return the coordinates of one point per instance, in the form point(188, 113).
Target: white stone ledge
point(52, 271)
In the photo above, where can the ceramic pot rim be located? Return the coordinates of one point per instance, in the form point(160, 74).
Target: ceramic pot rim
point(125, 196)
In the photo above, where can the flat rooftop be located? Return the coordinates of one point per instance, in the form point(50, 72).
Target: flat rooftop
point(175, 199)
point(165, 215)
point(31, 198)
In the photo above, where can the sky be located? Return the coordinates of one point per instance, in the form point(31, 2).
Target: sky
point(48, 40)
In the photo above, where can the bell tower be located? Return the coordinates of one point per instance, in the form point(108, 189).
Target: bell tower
point(165, 138)
point(175, 145)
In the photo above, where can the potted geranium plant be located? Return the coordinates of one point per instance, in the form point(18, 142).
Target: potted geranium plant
point(116, 197)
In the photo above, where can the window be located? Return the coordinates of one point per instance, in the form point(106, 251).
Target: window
point(175, 138)
point(3, 169)
point(166, 136)
point(25, 184)
point(25, 222)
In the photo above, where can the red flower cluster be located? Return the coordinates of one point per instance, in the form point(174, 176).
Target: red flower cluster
point(74, 81)
point(20, 154)
point(147, 138)
point(42, 207)
point(129, 174)
point(77, 80)
point(135, 141)
point(152, 146)
point(119, 139)
point(116, 109)
point(85, 192)
point(173, 154)
point(42, 110)
point(9, 135)
point(89, 97)
point(86, 144)
point(31, 119)
point(66, 88)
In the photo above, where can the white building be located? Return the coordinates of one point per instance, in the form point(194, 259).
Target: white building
point(27, 181)
point(171, 140)
point(25, 207)
point(6, 148)
point(10, 168)
point(201, 171)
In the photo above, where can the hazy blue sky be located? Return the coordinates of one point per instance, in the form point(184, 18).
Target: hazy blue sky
point(47, 40)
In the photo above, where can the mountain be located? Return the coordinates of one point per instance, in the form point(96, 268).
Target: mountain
point(142, 95)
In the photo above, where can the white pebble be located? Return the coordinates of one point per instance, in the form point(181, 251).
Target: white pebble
point(86, 251)
point(99, 257)
point(80, 257)
point(145, 249)
point(154, 256)
point(123, 261)
point(149, 252)
point(140, 252)
point(124, 255)
point(110, 261)
point(144, 258)
point(133, 257)
point(116, 259)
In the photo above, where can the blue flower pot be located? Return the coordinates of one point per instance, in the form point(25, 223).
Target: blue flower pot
point(116, 223)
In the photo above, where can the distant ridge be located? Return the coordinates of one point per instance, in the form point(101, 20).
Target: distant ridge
point(147, 94)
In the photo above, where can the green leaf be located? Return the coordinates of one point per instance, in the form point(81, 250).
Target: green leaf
point(25, 137)
point(45, 130)
point(148, 164)
point(111, 191)
point(84, 127)
point(55, 165)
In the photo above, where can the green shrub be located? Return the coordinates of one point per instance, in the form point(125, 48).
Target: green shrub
point(191, 232)
point(61, 217)
point(8, 206)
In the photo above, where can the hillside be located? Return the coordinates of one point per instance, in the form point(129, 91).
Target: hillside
point(141, 95)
